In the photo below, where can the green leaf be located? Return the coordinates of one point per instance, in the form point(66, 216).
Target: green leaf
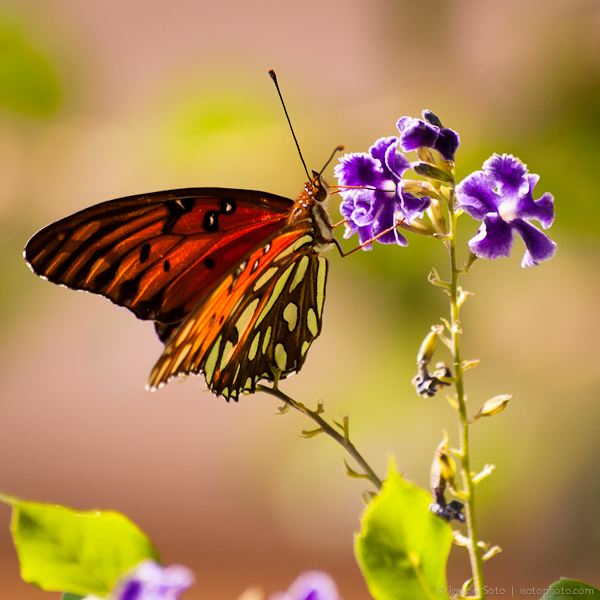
point(570, 589)
point(67, 596)
point(80, 552)
point(403, 548)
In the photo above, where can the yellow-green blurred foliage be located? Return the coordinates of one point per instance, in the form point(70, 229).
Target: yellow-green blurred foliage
point(108, 98)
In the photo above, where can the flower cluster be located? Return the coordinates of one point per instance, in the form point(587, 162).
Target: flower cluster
point(149, 581)
point(376, 198)
point(375, 195)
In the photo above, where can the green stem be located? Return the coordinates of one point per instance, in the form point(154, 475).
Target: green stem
point(343, 440)
point(474, 553)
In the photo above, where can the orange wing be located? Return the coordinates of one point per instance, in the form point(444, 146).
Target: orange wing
point(157, 254)
point(257, 323)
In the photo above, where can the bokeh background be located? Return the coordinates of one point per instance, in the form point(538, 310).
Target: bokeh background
point(106, 98)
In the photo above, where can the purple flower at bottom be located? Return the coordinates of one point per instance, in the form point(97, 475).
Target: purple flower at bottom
point(501, 196)
point(376, 194)
point(149, 581)
point(311, 585)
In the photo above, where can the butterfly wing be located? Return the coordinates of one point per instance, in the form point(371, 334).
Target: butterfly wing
point(257, 323)
point(157, 254)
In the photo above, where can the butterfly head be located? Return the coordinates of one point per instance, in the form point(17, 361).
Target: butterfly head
point(317, 188)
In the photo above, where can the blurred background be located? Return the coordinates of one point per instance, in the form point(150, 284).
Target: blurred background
point(103, 99)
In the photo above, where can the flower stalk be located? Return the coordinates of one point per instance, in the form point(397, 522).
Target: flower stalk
point(373, 187)
point(469, 485)
point(324, 427)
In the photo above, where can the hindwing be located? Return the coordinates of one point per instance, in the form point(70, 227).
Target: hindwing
point(257, 323)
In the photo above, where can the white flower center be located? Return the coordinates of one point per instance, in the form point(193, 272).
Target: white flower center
point(508, 209)
point(390, 186)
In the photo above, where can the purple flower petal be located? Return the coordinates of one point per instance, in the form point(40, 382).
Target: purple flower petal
point(475, 196)
point(447, 143)
point(507, 174)
point(494, 239)
point(415, 133)
point(312, 585)
point(541, 210)
point(396, 163)
point(412, 206)
point(131, 591)
point(539, 246)
point(150, 581)
point(385, 220)
point(380, 149)
point(364, 235)
point(365, 208)
point(359, 169)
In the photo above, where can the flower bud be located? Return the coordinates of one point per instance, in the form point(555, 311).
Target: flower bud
point(444, 463)
point(431, 118)
point(437, 216)
point(432, 172)
point(416, 225)
point(443, 469)
point(425, 155)
point(425, 383)
point(493, 406)
point(429, 344)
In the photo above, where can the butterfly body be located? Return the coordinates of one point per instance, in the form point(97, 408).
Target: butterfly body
point(233, 279)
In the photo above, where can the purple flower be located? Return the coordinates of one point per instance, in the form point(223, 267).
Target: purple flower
point(149, 581)
point(312, 585)
point(502, 197)
point(370, 208)
point(415, 133)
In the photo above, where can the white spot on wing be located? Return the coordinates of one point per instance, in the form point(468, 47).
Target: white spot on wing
point(211, 361)
point(265, 277)
point(321, 277)
point(311, 322)
point(299, 276)
point(280, 357)
point(290, 315)
point(242, 322)
point(267, 339)
point(227, 354)
point(254, 347)
point(274, 295)
point(305, 239)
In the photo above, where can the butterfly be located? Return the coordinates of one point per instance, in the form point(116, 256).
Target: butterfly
point(233, 279)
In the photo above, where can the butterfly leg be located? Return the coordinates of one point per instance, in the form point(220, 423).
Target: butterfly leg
point(344, 254)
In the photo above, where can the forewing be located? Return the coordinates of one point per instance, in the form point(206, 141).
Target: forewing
point(157, 254)
point(258, 323)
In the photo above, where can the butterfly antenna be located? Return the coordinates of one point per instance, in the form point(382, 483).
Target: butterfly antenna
point(340, 148)
point(274, 78)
